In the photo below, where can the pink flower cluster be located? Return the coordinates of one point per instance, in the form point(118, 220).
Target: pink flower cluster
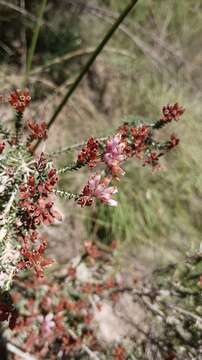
point(98, 188)
point(130, 140)
point(115, 154)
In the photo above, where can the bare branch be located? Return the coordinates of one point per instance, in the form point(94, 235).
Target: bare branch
point(15, 350)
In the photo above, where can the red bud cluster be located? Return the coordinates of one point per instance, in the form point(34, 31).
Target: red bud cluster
point(89, 154)
point(34, 258)
point(172, 112)
point(19, 100)
point(38, 130)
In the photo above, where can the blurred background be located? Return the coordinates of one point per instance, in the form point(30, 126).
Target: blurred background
point(153, 59)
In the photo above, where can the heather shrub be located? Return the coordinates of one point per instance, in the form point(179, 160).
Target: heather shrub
point(132, 290)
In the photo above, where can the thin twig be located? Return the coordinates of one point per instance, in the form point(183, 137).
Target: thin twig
point(154, 309)
point(35, 38)
point(89, 63)
point(184, 312)
point(5, 213)
point(24, 40)
point(77, 53)
point(26, 14)
point(85, 347)
point(107, 13)
point(109, 17)
point(6, 48)
point(66, 195)
point(15, 350)
point(18, 9)
point(73, 147)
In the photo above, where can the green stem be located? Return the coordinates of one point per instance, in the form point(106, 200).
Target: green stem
point(35, 39)
point(18, 124)
point(89, 63)
point(73, 167)
point(4, 132)
point(75, 147)
point(66, 195)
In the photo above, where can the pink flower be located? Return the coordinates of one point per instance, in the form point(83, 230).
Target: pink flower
point(114, 154)
point(100, 189)
point(47, 324)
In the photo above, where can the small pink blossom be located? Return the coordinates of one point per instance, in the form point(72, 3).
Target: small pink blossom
point(47, 324)
point(100, 189)
point(114, 154)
